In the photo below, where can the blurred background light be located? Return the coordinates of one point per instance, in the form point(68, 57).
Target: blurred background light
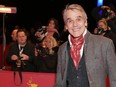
point(99, 2)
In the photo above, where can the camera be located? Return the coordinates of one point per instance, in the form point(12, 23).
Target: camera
point(20, 62)
point(42, 30)
point(105, 13)
point(100, 31)
point(41, 33)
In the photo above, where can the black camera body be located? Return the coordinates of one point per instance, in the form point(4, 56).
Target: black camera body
point(19, 58)
point(42, 30)
point(21, 61)
point(100, 31)
point(105, 13)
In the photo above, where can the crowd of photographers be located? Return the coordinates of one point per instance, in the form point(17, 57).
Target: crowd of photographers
point(105, 17)
point(47, 39)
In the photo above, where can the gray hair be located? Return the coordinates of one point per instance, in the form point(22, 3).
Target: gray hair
point(74, 7)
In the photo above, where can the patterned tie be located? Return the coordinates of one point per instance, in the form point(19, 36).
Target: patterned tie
point(75, 50)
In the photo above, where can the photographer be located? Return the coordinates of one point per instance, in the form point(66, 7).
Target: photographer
point(108, 13)
point(21, 53)
point(105, 30)
point(102, 27)
point(46, 58)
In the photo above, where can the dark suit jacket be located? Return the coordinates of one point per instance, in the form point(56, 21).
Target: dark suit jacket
point(28, 50)
point(100, 59)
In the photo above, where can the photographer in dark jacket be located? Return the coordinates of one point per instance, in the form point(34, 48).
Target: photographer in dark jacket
point(21, 53)
point(46, 55)
point(105, 30)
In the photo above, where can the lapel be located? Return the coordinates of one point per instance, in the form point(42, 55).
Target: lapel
point(65, 58)
point(89, 53)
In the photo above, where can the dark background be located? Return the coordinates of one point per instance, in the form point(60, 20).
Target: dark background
point(36, 12)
